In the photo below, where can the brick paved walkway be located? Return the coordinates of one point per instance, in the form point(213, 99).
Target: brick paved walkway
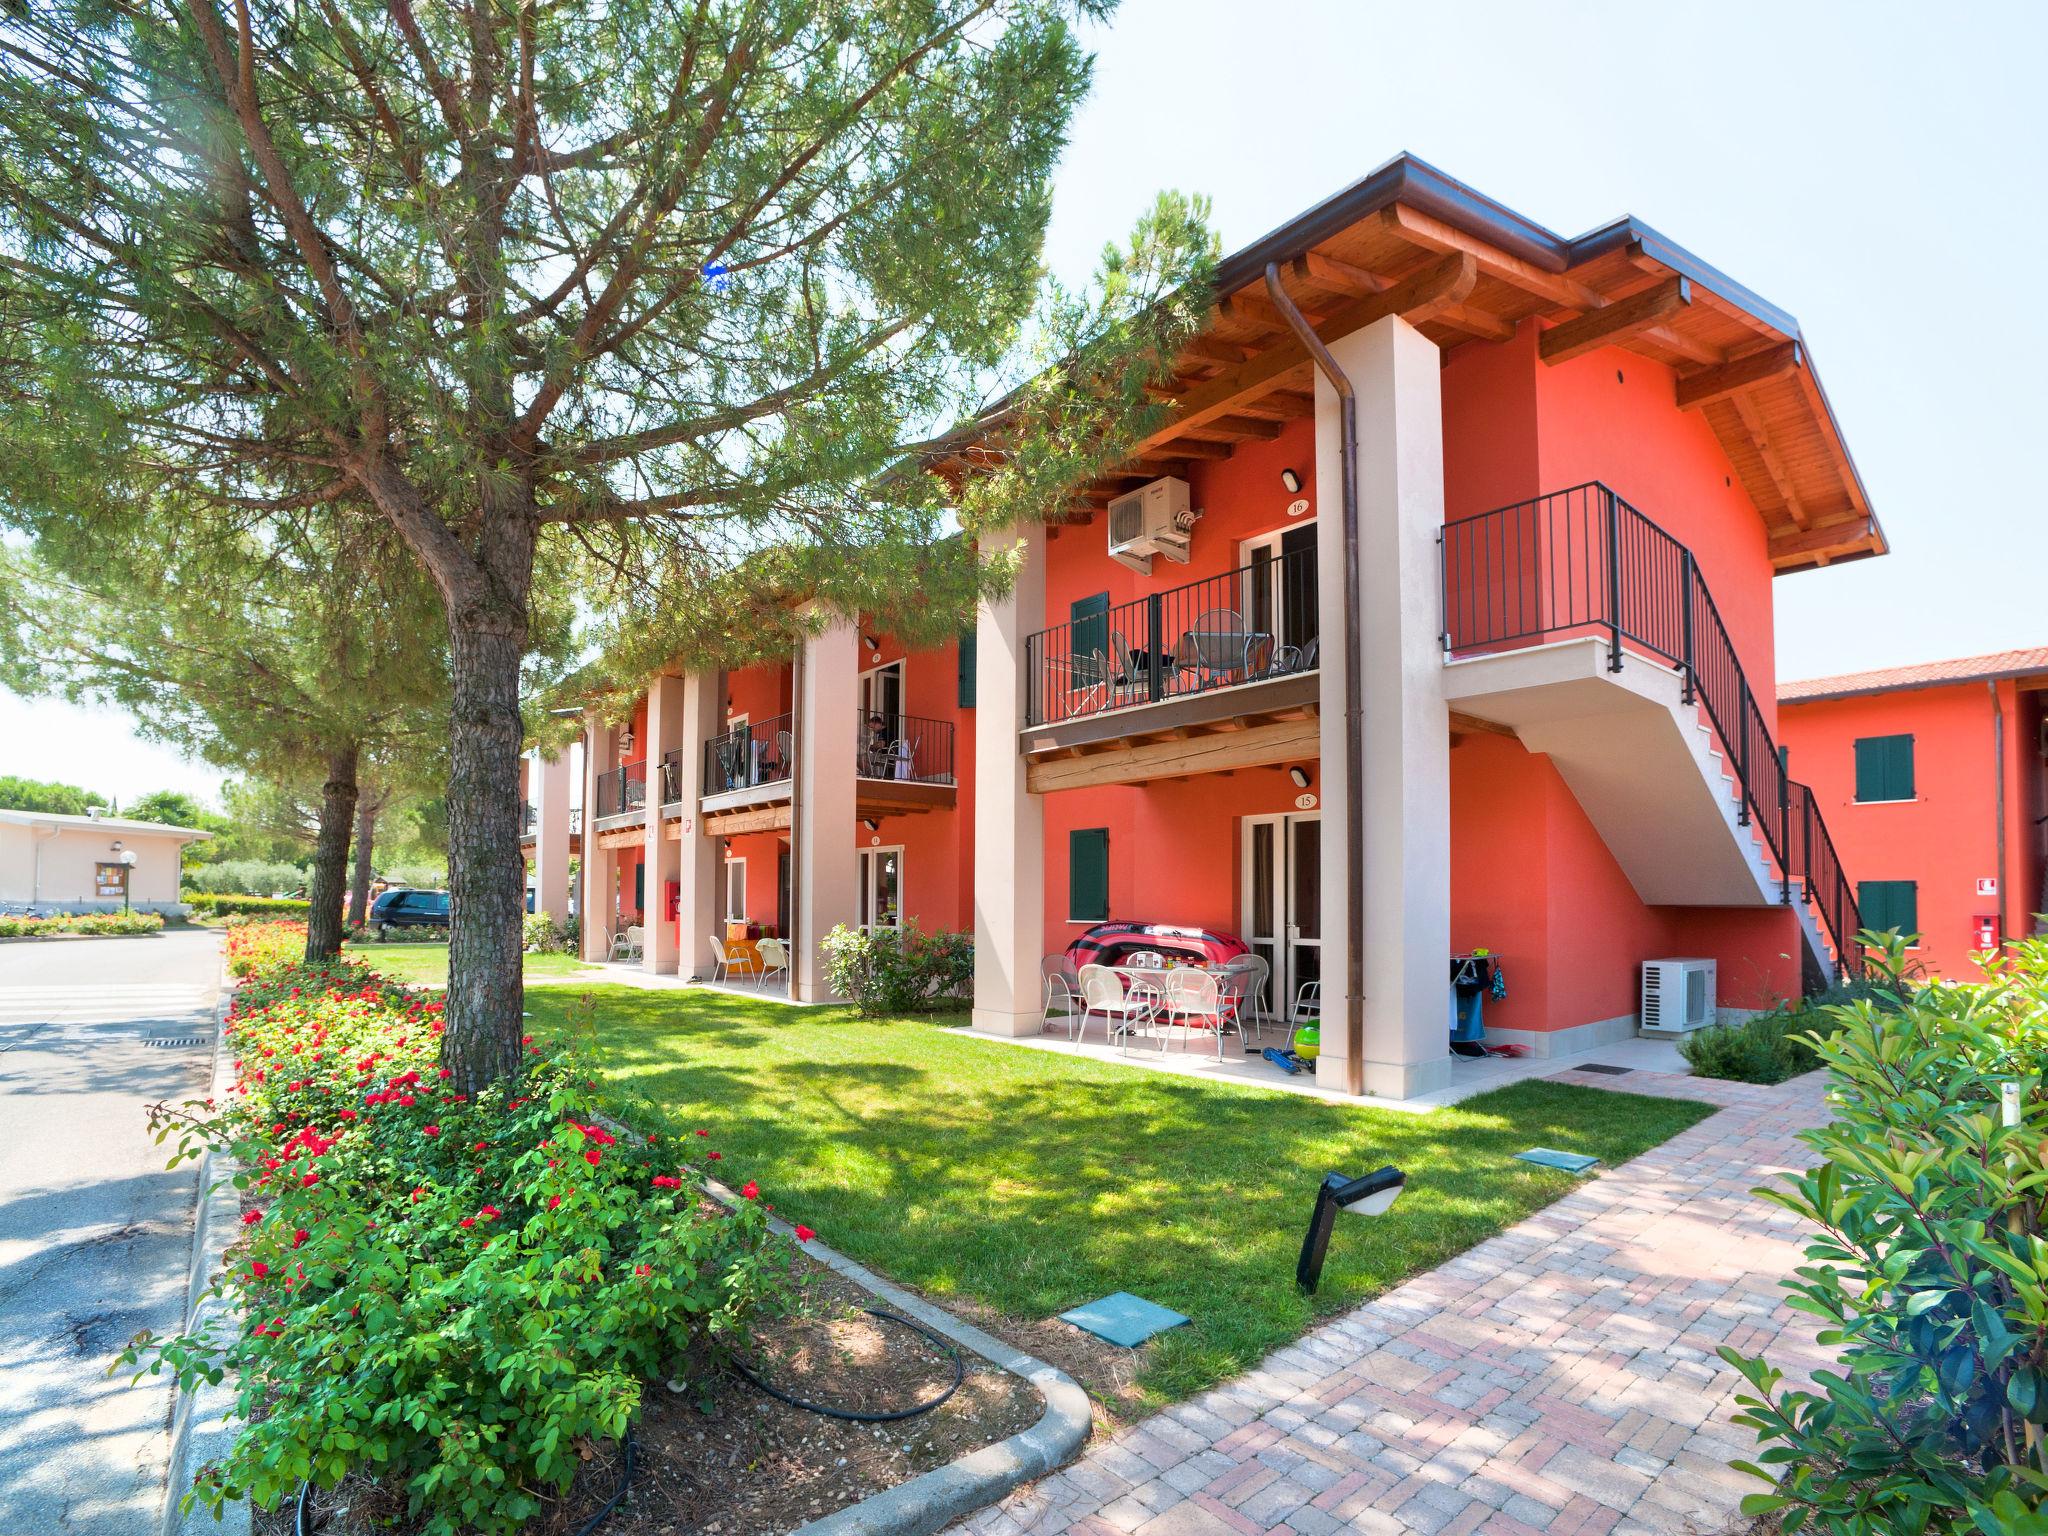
point(1560, 1377)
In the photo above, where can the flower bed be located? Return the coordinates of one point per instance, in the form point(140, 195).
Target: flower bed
point(456, 1295)
point(98, 923)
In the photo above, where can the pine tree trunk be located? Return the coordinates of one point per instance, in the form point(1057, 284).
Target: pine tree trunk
point(486, 870)
point(367, 809)
point(330, 856)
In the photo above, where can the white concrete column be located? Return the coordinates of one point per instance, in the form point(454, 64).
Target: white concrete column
point(551, 835)
point(1009, 821)
point(698, 856)
point(824, 868)
point(1404, 802)
point(600, 867)
point(662, 852)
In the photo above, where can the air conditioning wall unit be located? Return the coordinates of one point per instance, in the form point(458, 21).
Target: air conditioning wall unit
point(1678, 997)
point(1155, 519)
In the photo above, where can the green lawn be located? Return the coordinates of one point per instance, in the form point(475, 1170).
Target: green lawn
point(1033, 1181)
point(426, 965)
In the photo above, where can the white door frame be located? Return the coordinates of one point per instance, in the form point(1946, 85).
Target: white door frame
point(1284, 939)
point(868, 864)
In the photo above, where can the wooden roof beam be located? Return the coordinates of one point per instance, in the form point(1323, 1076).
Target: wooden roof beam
point(1616, 322)
point(1314, 269)
point(1434, 234)
point(1738, 375)
point(1238, 428)
point(1781, 478)
point(1445, 281)
point(1832, 538)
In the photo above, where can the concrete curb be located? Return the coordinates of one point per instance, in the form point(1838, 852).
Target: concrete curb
point(935, 1500)
point(201, 1430)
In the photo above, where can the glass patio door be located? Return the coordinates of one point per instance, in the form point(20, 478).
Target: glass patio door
point(1282, 902)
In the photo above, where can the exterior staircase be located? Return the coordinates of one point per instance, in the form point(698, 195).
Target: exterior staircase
point(1586, 629)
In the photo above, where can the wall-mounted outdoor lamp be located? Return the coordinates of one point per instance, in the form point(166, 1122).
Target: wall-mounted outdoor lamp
point(1290, 480)
point(626, 742)
point(125, 857)
point(1373, 1195)
point(871, 642)
point(871, 824)
point(1300, 776)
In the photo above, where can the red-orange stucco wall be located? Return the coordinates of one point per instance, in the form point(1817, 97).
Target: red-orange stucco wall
point(1945, 839)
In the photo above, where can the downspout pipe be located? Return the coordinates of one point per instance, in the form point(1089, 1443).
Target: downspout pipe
point(1353, 915)
point(798, 916)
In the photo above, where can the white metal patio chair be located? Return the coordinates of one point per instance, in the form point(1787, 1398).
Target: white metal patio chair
point(1199, 998)
point(1123, 1004)
point(1307, 1009)
point(724, 961)
point(1216, 648)
point(629, 945)
point(1087, 681)
point(1255, 999)
point(1060, 982)
point(774, 955)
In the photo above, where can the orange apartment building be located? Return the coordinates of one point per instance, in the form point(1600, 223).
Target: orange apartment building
point(1438, 615)
point(1931, 777)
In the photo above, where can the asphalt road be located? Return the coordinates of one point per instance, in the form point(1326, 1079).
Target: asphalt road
point(95, 1233)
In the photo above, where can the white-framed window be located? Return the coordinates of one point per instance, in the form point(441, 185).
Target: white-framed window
point(881, 888)
point(736, 890)
point(1280, 598)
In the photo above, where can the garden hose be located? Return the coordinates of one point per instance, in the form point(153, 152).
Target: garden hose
point(585, 1529)
point(959, 1375)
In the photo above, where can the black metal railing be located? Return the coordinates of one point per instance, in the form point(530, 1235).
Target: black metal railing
point(1585, 562)
point(528, 815)
point(906, 748)
point(1256, 622)
point(622, 790)
point(761, 752)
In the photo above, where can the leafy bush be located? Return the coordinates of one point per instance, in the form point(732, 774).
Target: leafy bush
point(892, 970)
point(231, 876)
point(545, 936)
point(213, 904)
point(254, 947)
point(1929, 1270)
point(448, 1293)
point(391, 933)
point(1765, 1048)
point(102, 923)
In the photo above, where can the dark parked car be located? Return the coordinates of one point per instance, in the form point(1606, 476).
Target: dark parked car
point(408, 909)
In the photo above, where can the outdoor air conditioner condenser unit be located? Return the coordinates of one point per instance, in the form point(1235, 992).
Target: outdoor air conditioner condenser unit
point(1154, 519)
point(1678, 996)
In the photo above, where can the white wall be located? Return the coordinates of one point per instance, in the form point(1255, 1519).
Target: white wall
point(68, 860)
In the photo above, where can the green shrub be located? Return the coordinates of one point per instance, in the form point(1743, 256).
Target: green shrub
point(1766, 1048)
point(392, 933)
point(1929, 1270)
point(545, 936)
point(891, 970)
point(230, 876)
point(235, 904)
point(451, 1295)
point(102, 923)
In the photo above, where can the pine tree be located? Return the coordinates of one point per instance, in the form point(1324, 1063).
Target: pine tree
point(640, 290)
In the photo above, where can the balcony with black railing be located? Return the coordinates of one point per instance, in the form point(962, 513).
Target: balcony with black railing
point(622, 792)
point(757, 756)
point(1583, 562)
point(904, 749)
point(1256, 624)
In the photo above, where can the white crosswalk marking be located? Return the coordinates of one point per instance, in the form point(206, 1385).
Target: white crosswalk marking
point(108, 1004)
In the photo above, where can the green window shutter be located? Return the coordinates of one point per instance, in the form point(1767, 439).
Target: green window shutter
point(1889, 904)
point(640, 885)
point(1088, 875)
point(1090, 616)
point(1884, 768)
point(969, 649)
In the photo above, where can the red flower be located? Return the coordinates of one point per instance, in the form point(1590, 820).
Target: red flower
point(750, 1190)
point(418, 1191)
point(490, 1211)
point(593, 1157)
point(299, 1237)
point(667, 1181)
point(643, 1269)
point(467, 1221)
point(479, 1146)
point(430, 1130)
point(259, 1269)
point(717, 1156)
point(803, 1233)
point(309, 1181)
point(554, 1201)
point(250, 1218)
point(703, 1133)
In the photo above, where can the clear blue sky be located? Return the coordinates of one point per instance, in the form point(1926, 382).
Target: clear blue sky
point(1875, 169)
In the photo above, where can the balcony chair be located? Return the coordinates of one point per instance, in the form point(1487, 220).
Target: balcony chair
point(1125, 671)
point(1123, 1005)
point(1261, 975)
point(1214, 647)
point(630, 945)
point(1297, 658)
point(1060, 982)
point(785, 756)
point(1087, 682)
point(774, 960)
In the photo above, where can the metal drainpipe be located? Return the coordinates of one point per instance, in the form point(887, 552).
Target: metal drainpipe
point(1354, 696)
point(1998, 800)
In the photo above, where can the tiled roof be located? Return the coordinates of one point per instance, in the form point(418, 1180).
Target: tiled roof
point(1925, 674)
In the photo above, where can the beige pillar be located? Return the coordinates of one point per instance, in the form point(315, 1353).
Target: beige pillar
point(1009, 821)
point(600, 868)
point(824, 867)
point(1404, 802)
point(662, 853)
point(551, 835)
point(698, 857)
